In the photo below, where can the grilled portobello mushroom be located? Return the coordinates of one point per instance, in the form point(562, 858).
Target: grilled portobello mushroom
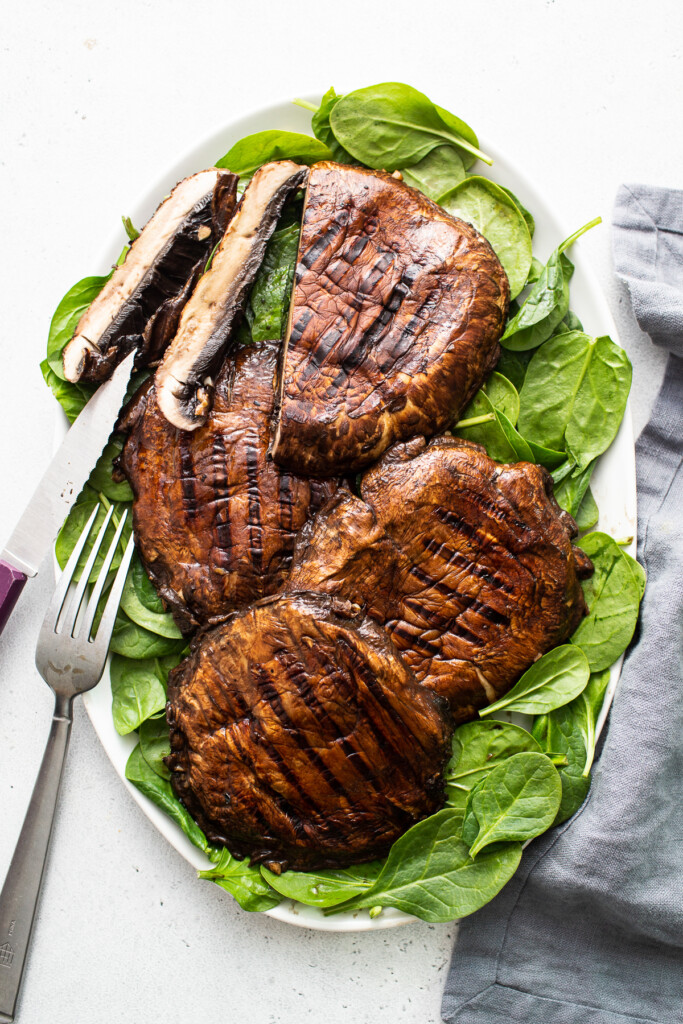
point(394, 321)
point(300, 739)
point(467, 563)
point(215, 520)
point(171, 250)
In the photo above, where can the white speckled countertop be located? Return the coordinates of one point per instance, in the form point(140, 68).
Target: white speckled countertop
point(96, 100)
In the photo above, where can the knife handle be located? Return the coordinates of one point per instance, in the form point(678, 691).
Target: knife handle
point(11, 585)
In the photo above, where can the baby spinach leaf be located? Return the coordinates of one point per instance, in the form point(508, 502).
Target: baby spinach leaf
point(535, 271)
point(268, 306)
point(133, 641)
point(553, 680)
point(612, 594)
point(502, 394)
point(244, 882)
point(530, 222)
point(492, 212)
point(571, 322)
point(436, 173)
point(515, 802)
point(325, 888)
point(72, 397)
point(548, 302)
point(251, 152)
point(65, 319)
point(74, 525)
point(144, 588)
point(429, 872)
point(513, 365)
point(461, 128)
point(391, 125)
point(139, 601)
point(571, 730)
point(136, 691)
point(484, 424)
point(588, 513)
point(101, 479)
point(159, 791)
point(638, 573)
point(547, 457)
point(572, 488)
point(320, 123)
point(562, 734)
point(478, 748)
point(574, 395)
point(154, 744)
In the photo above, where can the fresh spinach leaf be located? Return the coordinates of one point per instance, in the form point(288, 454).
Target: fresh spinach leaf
point(547, 457)
point(530, 223)
point(553, 680)
point(138, 612)
point(494, 214)
point(574, 395)
point(320, 123)
point(154, 745)
point(65, 319)
point(503, 396)
point(144, 588)
point(268, 306)
point(101, 479)
point(251, 152)
point(325, 888)
point(133, 641)
point(513, 365)
point(136, 691)
point(571, 322)
point(436, 173)
point(130, 229)
point(515, 802)
point(612, 594)
point(588, 513)
point(638, 573)
point(429, 872)
point(484, 424)
point(244, 882)
point(159, 791)
point(391, 125)
point(571, 731)
point(478, 748)
point(548, 302)
point(535, 271)
point(72, 397)
point(573, 487)
point(463, 130)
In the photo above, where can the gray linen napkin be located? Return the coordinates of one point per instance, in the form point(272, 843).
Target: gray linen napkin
point(590, 929)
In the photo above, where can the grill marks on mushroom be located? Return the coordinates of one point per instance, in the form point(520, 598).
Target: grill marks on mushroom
point(184, 379)
point(174, 243)
point(394, 323)
point(216, 520)
point(467, 563)
point(300, 739)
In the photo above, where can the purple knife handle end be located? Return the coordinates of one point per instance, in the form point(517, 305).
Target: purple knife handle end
point(11, 585)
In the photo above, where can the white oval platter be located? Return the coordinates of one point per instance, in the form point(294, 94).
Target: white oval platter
point(613, 483)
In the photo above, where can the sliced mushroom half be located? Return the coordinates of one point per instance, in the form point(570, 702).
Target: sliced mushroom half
point(184, 379)
point(180, 234)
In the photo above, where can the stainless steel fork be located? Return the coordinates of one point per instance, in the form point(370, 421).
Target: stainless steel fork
point(70, 660)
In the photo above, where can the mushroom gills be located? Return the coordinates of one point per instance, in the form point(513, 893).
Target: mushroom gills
point(184, 381)
point(172, 246)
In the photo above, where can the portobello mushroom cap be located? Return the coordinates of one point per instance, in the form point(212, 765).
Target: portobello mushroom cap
point(171, 247)
point(184, 382)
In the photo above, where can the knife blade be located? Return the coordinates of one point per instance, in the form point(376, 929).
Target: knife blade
point(59, 487)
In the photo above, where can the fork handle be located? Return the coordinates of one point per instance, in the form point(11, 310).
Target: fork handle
point(19, 897)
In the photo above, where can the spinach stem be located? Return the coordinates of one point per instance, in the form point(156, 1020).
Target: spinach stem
point(473, 421)
point(306, 105)
point(577, 234)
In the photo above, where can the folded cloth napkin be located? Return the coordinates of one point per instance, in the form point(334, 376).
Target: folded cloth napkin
point(590, 929)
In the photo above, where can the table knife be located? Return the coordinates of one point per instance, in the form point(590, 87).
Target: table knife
point(60, 486)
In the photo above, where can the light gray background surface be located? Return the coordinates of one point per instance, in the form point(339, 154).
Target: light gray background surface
point(96, 100)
